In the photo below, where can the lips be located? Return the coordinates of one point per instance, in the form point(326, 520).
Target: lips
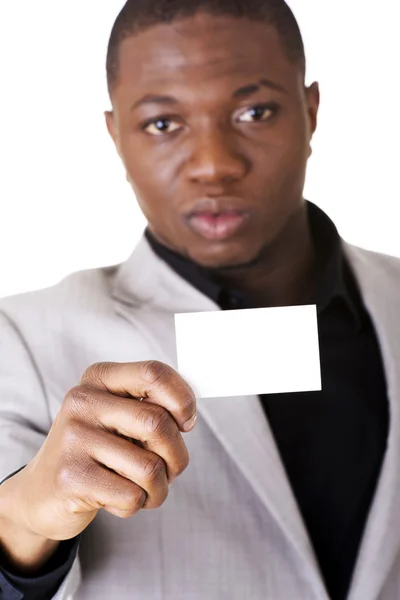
point(217, 226)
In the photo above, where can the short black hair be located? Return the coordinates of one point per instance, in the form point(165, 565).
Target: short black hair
point(138, 15)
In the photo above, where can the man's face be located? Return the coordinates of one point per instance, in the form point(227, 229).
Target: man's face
point(217, 174)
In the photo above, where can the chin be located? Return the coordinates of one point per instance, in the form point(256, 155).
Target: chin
point(224, 256)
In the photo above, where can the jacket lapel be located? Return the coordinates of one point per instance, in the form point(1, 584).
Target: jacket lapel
point(379, 278)
point(243, 430)
point(148, 293)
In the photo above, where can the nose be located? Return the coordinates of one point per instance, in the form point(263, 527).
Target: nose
point(214, 159)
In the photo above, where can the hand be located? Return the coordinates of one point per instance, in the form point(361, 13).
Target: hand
point(106, 449)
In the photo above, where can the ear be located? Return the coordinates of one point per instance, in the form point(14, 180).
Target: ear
point(312, 102)
point(112, 129)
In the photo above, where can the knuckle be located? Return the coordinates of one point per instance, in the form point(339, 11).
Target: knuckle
point(133, 502)
point(97, 373)
point(183, 465)
point(65, 479)
point(155, 371)
point(153, 469)
point(161, 498)
point(73, 436)
point(157, 422)
point(74, 475)
point(77, 399)
point(126, 514)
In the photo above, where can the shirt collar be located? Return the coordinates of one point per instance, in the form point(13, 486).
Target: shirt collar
point(336, 281)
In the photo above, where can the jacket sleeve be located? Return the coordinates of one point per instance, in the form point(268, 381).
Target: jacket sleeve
point(46, 584)
point(24, 424)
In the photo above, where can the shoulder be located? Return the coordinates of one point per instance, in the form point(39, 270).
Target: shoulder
point(76, 293)
point(67, 327)
point(377, 274)
point(375, 261)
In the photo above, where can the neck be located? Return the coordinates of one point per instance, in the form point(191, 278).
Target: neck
point(285, 273)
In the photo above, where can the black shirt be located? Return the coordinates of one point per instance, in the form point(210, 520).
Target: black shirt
point(331, 442)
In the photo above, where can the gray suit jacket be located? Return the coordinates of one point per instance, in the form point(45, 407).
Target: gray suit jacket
point(230, 528)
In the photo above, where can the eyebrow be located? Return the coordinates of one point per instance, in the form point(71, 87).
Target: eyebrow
point(246, 90)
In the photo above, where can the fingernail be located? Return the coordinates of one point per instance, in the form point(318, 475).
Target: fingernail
point(190, 424)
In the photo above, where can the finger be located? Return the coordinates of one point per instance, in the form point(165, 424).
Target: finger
point(144, 468)
point(95, 486)
point(157, 431)
point(157, 382)
point(150, 424)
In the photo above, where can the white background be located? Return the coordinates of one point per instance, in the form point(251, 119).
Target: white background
point(64, 202)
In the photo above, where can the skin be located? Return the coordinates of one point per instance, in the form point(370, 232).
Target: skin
point(213, 145)
point(219, 147)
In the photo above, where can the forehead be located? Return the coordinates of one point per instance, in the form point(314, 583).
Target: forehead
point(203, 49)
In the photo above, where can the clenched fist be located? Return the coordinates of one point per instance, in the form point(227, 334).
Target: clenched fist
point(106, 449)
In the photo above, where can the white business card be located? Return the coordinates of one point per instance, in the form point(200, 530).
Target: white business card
point(249, 352)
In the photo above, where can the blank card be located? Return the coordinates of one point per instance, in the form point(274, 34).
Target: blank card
point(249, 352)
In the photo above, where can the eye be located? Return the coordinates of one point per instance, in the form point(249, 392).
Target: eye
point(261, 112)
point(160, 126)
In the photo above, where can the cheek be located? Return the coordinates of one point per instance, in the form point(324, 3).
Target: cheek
point(149, 179)
point(154, 190)
point(282, 166)
point(151, 169)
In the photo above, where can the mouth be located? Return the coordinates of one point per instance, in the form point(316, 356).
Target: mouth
point(217, 226)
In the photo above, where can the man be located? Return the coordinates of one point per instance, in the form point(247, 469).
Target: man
point(289, 496)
